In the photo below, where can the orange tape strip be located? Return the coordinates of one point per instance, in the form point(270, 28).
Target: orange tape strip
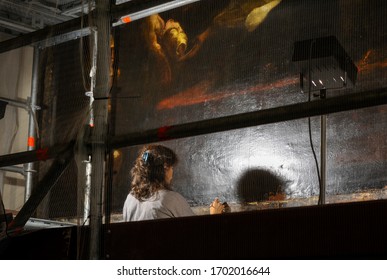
point(126, 19)
point(31, 142)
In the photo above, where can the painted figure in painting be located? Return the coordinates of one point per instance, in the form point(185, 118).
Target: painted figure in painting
point(247, 13)
point(168, 42)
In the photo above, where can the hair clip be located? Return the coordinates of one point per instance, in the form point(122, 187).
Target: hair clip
point(145, 156)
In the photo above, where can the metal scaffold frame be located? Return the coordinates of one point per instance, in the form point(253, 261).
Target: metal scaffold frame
point(101, 143)
point(30, 105)
point(106, 16)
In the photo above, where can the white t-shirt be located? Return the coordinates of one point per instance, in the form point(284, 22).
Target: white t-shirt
point(163, 204)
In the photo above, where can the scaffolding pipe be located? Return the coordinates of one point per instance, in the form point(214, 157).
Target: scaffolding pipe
point(31, 143)
point(14, 169)
point(88, 162)
point(323, 158)
point(150, 11)
point(16, 103)
point(99, 134)
point(86, 193)
point(138, 6)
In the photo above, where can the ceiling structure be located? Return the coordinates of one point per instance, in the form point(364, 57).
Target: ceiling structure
point(19, 17)
point(26, 17)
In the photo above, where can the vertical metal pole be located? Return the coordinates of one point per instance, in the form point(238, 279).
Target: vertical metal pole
point(323, 157)
point(30, 167)
point(86, 203)
point(90, 94)
point(98, 145)
point(323, 151)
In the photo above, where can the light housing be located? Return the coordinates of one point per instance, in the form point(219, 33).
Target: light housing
point(326, 62)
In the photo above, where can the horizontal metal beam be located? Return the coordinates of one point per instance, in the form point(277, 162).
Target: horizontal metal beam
point(40, 35)
point(35, 155)
point(16, 103)
point(66, 37)
point(16, 26)
point(14, 169)
point(34, 223)
point(261, 117)
point(118, 11)
point(129, 17)
point(348, 102)
point(83, 8)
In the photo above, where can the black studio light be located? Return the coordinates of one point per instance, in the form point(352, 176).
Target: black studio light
point(323, 65)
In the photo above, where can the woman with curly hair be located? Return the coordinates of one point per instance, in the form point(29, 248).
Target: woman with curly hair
point(151, 195)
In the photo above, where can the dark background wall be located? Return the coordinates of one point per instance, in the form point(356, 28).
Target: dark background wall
point(229, 70)
point(236, 71)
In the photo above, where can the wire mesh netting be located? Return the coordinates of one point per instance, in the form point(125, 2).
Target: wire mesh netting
point(195, 63)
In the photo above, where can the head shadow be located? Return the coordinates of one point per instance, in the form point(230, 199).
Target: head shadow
point(259, 185)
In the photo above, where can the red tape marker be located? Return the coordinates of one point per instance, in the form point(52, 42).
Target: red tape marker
point(162, 133)
point(126, 19)
point(42, 154)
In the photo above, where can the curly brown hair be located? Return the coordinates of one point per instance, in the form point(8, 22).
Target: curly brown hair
point(148, 172)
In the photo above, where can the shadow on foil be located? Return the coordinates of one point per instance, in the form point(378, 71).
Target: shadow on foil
point(259, 185)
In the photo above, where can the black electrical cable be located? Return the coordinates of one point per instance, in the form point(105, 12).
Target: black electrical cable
point(315, 159)
point(309, 121)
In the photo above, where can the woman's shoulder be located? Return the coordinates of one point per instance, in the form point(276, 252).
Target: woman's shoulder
point(176, 203)
point(130, 199)
point(168, 194)
point(171, 197)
